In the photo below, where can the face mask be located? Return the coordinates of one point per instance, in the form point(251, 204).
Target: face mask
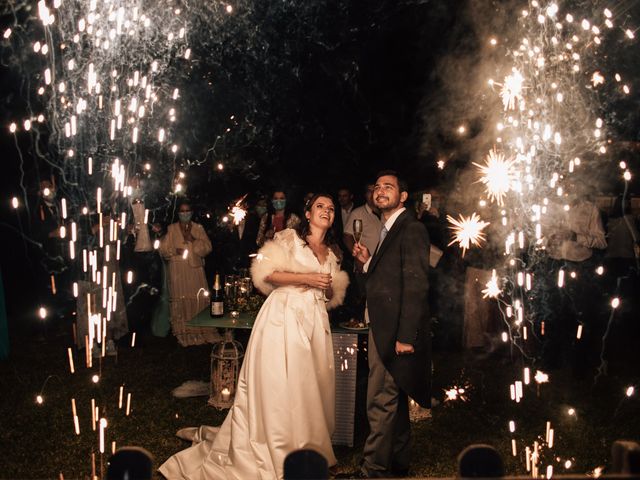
point(136, 193)
point(260, 210)
point(279, 204)
point(185, 216)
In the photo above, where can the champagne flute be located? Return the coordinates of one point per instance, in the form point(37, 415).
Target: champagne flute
point(326, 267)
point(357, 229)
point(357, 235)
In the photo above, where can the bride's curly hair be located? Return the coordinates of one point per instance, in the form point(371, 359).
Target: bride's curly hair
point(303, 228)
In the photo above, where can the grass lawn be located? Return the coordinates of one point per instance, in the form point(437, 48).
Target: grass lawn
point(38, 441)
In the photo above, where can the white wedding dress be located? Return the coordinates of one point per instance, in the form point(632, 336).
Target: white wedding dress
point(286, 389)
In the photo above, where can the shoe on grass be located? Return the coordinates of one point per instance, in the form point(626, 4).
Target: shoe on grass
point(111, 350)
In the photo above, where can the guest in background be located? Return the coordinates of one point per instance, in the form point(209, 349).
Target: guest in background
point(345, 199)
point(431, 214)
point(279, 217)
point(574, 236)
point(54, 283)
point(481, 322)
point(144, 262)
point(343, 209)
point(261, 208)
point(623, 240)
point(371, 226)
point(446, 275)
point(47, 221)
point(575, 232)
point(238, 239)
point(622, 277)
point(184, 247)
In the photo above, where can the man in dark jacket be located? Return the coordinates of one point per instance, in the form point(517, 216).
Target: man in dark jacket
point(53, 281)
point(399, 341)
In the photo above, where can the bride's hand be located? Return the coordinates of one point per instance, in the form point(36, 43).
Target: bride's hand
point(321, 281)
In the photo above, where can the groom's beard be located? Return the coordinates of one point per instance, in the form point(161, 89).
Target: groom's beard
point(389, 207)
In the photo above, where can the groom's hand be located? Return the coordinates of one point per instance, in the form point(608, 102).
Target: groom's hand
point(360, 253)
point(403, 348)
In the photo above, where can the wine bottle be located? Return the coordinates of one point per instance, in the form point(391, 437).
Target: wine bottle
point(217, 298)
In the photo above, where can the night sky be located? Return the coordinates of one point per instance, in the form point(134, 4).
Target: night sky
point(336, 86)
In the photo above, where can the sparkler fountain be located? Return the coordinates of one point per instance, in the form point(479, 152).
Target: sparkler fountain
point(551, 128)
point(105, 101)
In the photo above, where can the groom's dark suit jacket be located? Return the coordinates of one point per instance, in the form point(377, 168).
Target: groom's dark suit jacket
point(397, 298)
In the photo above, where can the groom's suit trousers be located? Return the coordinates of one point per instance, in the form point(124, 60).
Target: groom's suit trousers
point(386, 450)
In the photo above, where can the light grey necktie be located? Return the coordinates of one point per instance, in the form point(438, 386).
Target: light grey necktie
point(383, 234)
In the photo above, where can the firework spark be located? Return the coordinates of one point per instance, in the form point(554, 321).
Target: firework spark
point(497, 175)
point(492, 289)
point(455, 393)
point(597, 79)
point(237, 211)
point(467, 231)
point(512, 90)
point(541, 377)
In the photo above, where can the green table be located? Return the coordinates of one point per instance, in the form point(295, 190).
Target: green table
point(245, 321)
point(345, 346)
point(203, 319)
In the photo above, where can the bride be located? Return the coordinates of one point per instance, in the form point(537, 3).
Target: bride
point(285, 398)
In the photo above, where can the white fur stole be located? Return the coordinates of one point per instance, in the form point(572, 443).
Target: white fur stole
point(277, 255)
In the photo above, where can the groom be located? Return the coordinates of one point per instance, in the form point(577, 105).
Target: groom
point(399, 336)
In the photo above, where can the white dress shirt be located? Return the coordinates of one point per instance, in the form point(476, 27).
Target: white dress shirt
point(387, 226)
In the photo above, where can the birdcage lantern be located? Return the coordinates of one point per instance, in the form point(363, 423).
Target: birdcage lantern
point(226, 359)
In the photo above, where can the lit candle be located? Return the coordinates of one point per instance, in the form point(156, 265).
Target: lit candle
point(226, 394)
